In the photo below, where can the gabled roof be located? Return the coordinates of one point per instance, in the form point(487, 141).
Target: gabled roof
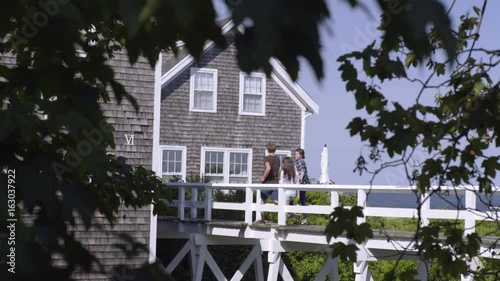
point(172, 67)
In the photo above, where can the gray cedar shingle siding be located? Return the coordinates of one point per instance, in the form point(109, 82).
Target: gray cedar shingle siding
point(226, 128)
point(100, 241)
point(8, 59)
point(139, 81)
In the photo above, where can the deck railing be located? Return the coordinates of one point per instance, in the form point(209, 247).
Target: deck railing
point(201, 197)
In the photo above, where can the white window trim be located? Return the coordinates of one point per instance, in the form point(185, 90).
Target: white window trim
point(184, 155)
point(191, 89)
point(242, 86)
point(227, 152)
point(287, 152)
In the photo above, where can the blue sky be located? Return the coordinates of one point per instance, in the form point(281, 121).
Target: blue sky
point(354, 28)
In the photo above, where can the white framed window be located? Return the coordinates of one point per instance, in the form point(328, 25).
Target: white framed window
point(173, 163)
point(281, 154)
point(203, 90)
point(252, 94)
point(226, 165)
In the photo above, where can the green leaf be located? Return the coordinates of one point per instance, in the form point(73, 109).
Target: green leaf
point(491, 165)
point(130, 10)
point(478, 87)
point(485, 185)
point(477, 10)
point(423, 183)
point(344, 252)
point(440, 69)
point(410, 59)
point(411, 24)
point(271, 35)
point(356, 126)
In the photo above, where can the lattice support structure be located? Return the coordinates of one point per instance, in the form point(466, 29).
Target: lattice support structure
point(196, 249)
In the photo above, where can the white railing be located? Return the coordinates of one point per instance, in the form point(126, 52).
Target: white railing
point(469, 214)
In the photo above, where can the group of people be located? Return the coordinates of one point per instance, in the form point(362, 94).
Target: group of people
point(288, 172)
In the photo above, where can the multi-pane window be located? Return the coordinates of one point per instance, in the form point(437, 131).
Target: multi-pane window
point(252, 94)
point(173, 163)
point(238, 167)
point(226, 165)
point(203, 92)
point(214, 166)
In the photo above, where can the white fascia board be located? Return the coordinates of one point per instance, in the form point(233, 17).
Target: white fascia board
point(296, 89)
point(287, 90)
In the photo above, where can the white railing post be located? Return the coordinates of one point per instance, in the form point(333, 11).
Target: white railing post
point(194, 199)
point(334, 199)
point(208, 203)
point(281, 206)
point(362, 203)
point(182, 202)
point(258, 215)
point(470, 208)
point(425, 207)
point(248, 205)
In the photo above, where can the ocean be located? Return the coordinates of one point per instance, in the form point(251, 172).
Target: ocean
point(446, 201)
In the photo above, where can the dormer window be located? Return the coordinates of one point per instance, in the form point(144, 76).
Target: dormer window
point(203, 90)
point(253, 94)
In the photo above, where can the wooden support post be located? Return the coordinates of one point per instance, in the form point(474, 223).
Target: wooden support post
point(331, 268)
point(246, 264)
point(361, 271)
point(194, 200)
point(470, 207)
point(201, 255)
point(178, 258)
point(214, 267)
point(281, 206)
point(182, 203)
point(259, 267)
point(283, 270)
point(258, 215)
point(248, 203)
point(192, 254)
point(334, 271)
point(273, 258)
point(423, 269)
point(208, 203)
point(362, 197)
point(334, 199)
point(424, 208)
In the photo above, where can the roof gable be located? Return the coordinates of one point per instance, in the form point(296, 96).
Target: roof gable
point(175, 65)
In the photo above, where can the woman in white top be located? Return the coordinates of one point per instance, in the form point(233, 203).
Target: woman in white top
point(289, 175)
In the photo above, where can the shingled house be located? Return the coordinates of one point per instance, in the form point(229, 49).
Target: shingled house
point(134, 140)
point(204, 118)
point(216, 120)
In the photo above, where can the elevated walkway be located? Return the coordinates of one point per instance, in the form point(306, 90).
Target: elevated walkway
point(194, 223)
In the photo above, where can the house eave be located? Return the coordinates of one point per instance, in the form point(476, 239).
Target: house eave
point(189, 60)
point(294, 87)
point(299, 94)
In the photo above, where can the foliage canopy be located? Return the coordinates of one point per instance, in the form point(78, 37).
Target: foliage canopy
point(50, 77)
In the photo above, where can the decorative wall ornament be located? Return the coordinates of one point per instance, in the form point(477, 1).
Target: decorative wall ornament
point(130, 139)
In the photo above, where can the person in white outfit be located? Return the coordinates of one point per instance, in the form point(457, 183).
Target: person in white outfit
point(289, 175)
